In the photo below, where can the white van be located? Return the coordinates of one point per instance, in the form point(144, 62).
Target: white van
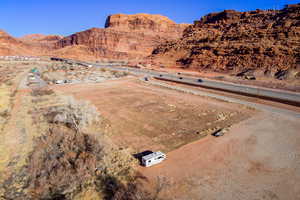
point(153, 158)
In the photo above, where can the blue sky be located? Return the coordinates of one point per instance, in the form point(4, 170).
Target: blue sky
point(64, 17)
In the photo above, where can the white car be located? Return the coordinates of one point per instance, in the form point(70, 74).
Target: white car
point(59, 82)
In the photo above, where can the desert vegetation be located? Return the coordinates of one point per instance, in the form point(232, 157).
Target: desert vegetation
point(4, 104)
point(67, 160)
point(8, 73)
point(74, 114)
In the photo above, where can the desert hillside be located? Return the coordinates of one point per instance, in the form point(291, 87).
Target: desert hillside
point(12, 46)
point(41, 38)
point(33, 45)
point(42, 44)
point(232, 41)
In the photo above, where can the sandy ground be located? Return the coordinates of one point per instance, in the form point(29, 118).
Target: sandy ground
point(258, 159)
point(146, 117)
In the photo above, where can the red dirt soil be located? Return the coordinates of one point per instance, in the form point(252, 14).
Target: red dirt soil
point(257, 159)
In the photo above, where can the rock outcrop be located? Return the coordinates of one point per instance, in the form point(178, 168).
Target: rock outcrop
point(125, 36)
point(146, 24)
point(237, 41)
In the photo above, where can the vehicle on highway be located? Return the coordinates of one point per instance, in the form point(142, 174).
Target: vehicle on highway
point(59, 81)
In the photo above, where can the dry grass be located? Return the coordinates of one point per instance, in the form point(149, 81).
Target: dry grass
point(41, 92)
point(62, 163)
point(65, 162)
point(5, 104)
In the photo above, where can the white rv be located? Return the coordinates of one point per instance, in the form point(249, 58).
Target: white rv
point(153, 158)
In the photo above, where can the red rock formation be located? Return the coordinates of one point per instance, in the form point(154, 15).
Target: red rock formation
point(238, 41)
point(44, 44)
point(146, 24)
point(32, 37)
point(125, 36)
point(11, 46)
point(35, 44)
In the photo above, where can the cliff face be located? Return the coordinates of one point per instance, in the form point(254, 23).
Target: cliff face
point(146, 24)
point(125, 36)
point(237, 41)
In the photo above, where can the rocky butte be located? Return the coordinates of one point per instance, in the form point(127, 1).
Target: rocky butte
point(124, 37)
point(230, 41)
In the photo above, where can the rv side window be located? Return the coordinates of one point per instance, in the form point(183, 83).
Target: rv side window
point(160, 157)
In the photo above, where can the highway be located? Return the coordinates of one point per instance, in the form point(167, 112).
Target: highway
point(287, 97)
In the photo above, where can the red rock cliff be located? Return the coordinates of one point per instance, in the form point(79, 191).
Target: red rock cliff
point(125, 36)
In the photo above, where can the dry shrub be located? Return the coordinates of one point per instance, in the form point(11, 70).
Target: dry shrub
point(134, 190)
point(102, 69)
point(118, 74)
point(75, 114)
point(41, 92)
point(62, 163)
point(65, 162)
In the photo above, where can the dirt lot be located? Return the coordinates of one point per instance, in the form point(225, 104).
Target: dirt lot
point(257, 159)
point(146, 117)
